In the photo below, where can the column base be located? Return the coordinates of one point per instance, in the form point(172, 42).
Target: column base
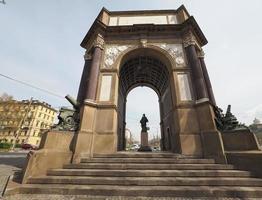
point(145, 148)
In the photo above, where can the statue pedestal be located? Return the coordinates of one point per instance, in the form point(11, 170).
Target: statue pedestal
point(144, 142)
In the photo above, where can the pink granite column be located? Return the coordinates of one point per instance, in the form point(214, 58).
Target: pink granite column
point(84, 79)
point(197, 73)
point(94, 69)
point(207, 80)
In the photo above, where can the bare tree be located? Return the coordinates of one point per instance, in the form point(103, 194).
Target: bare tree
point(2, 1)
point(5, 97)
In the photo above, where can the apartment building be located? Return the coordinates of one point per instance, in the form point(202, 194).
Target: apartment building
point(33, 119)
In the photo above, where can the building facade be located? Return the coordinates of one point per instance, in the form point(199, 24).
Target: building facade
point(38, 118)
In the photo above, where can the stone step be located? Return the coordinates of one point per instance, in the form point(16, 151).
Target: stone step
point(146, 181)
point(136, 191)
point(146, 173)
point(141, 155)
point(147, 160)
point(146, 166)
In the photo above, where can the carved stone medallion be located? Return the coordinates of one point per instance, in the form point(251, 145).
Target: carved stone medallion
point(175, 50)
point(112, 52)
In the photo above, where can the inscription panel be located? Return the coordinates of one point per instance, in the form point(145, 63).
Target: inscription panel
point(184, 88)
point(105, 91)
point(154, 19)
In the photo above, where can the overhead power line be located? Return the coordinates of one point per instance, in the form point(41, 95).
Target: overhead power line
point(32, 86)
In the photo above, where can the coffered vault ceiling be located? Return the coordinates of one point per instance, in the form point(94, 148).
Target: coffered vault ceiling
point(143, 70)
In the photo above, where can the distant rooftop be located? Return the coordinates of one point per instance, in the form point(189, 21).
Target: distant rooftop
point(34, 102)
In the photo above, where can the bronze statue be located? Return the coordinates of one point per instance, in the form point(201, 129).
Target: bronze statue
point(143, 122)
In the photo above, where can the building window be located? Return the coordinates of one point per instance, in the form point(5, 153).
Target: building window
point(11, 141)
point(37, 141)
point(23, 141)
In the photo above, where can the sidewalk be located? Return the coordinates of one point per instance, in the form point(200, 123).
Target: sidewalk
point(10, 162)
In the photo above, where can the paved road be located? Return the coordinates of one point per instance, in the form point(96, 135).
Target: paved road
point(9, 164)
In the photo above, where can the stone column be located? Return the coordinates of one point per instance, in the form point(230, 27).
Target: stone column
point(84, 141)
point(206, 77)
point(84, 79)
point(94, 68)
point(210, 137)
point(194, 63)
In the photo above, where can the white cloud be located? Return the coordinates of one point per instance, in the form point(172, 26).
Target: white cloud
point(252, 113)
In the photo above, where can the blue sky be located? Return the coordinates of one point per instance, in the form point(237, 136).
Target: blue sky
point(39, 43)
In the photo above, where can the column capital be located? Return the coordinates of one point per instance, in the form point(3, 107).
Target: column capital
point(99, 41)
point(201, 54)
point(189, 39)
point(87, 55)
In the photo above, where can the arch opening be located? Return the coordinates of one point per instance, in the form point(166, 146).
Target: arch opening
point(142, 100)
point(147, 67)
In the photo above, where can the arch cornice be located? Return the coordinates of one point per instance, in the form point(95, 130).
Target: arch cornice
point(152, 29)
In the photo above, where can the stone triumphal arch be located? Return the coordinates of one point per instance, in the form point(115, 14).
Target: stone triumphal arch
point(161, 50)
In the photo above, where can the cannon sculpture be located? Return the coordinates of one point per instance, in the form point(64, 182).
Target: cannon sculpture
point(228, 121)
point(68, 118)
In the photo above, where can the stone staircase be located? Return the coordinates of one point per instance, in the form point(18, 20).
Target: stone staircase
point(146, 175)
